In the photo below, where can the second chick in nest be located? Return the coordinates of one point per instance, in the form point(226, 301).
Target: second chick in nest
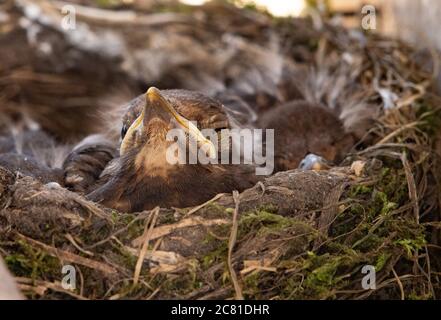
point(302, 128)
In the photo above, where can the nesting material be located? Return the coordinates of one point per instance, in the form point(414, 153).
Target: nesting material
point(295, 235)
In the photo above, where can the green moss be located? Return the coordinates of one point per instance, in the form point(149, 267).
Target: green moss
point(271, 208)
point(359, 190)
point(126, 258)
point(430, 118)
point(381, 261)
point(322, 275)
point(33, 263)
point(215, 210)
point(216, 256)
point(135, 229)
point(114, 216)
point(412, 245)
point(416, 296)
point(264, 222)
point(168, 218)
point(229, 210)
point(179, 285)
point(384, 205)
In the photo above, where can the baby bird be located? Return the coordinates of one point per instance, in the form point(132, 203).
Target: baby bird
point(141, 177)
point(33, 153)
point(302, 128)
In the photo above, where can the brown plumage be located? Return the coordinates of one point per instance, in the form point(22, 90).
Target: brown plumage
point(301, 128)
point(136, 176)
point(83, 166)
point(29, 166)
point(195, 106)
point(141, 178)
point(33, 153)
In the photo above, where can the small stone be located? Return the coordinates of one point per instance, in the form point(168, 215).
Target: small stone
point(357, 167)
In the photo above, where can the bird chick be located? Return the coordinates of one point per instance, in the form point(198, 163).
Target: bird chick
point(32, 153)
point(302, 128)
point(141, 178)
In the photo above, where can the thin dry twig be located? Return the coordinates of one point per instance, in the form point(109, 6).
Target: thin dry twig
point(70, 257)
point(231, 243)
point(150, 224)
point(195, 209)
point(400, 285)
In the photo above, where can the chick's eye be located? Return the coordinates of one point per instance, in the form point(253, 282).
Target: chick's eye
point(123, 131)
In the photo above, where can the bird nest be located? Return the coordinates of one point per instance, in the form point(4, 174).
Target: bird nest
point(296, 235)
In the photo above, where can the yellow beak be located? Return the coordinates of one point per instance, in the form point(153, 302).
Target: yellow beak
point(154, 96)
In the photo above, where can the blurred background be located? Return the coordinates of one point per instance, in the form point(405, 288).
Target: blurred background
point(82, 57)
point(408, 19)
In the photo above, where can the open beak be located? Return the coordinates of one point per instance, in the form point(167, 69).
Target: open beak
point(154, 98)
